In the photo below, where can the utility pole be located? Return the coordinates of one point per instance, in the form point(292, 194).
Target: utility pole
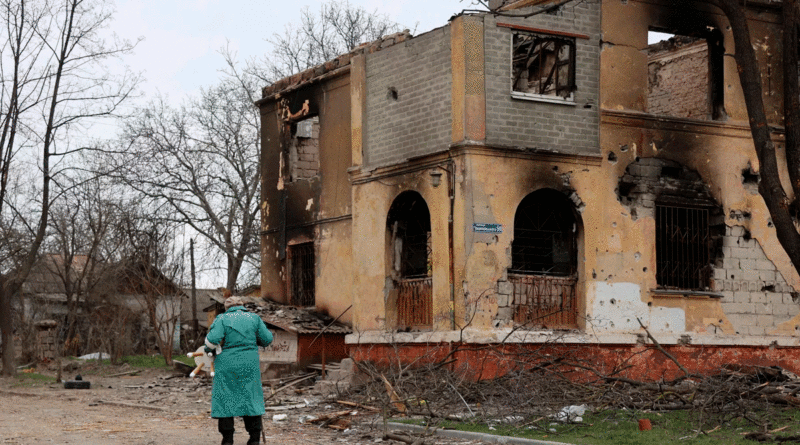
point(195, 326)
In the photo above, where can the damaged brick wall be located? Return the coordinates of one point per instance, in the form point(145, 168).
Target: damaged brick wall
point(648, 180)
point(678, 78)
point(304, 150)
point(755, 296)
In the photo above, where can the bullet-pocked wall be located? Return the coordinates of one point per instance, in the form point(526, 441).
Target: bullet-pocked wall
point(375, 281)
point(564, 118)
point(746, 285)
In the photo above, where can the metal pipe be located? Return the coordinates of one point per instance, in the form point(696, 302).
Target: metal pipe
point(452, 191)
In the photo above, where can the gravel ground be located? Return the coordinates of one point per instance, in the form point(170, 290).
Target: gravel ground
point(154, 408)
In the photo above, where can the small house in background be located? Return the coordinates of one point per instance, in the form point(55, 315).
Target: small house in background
point(114, 305)
point(205, 298)
point(302, 336)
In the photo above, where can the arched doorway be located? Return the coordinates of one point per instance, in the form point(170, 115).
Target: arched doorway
point(409, 232)
point(544, 261)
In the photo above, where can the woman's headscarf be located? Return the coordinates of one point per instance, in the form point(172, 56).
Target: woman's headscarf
point(232, 301)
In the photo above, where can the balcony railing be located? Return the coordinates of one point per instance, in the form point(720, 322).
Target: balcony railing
point(545, 301)
point(415, 303)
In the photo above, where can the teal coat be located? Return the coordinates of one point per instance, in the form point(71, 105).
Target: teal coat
point(237, 378)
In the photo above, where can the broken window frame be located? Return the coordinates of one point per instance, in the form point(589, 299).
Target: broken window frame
point(523, 53)
point(302, 274)
point(683, 263)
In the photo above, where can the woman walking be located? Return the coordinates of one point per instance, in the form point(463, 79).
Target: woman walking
point(235, 336)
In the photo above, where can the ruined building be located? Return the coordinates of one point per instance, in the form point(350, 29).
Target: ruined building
point(520, 180)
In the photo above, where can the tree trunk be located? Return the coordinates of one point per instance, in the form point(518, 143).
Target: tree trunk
point(791, 91)
point(7, 328)
point(769, 185)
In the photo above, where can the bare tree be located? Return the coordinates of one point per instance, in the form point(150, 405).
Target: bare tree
point(54, 79)
point(199, 164)
point(82, 246)
point(200, 161)
point(149, 272)
point(336, 29)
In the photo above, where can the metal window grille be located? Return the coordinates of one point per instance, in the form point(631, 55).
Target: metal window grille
point(683, 245)
point(414, 303)
point(544, 236)
point(301, 274)
point(547, 301)
point(416, 254)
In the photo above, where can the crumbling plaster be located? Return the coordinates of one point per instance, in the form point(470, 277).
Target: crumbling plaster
point(495, 182)
point(616, 253)
point(718, 151)
point(314, 209)
point(371, 288)
point(624, 39)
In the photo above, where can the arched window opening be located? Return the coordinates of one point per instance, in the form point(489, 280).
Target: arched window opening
point(409, 227)
point(544, 261)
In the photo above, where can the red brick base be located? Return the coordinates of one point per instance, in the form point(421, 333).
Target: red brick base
point(639, 362)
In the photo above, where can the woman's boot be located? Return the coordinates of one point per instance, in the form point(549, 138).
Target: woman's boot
point(253, 426)
point(225, 426)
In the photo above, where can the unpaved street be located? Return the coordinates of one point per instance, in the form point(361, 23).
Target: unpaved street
point(154, 409)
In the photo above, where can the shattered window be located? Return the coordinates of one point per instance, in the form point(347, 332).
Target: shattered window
point(301, 274)
point(543, 65)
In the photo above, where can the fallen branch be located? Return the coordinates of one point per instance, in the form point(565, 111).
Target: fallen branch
point(132, 405)
point(135, 371)
point(397, 402)
point(401, 438)
point(660, 348)
point(289, 385)
point(358, 405)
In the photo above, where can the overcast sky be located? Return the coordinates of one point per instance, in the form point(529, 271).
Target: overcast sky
point(182, 37)
point(179, 53)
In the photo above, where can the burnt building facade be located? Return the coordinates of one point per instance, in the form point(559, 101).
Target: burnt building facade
point(514, 177)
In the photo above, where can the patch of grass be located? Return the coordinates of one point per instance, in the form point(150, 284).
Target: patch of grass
point(93, 367)
point(153, 361)
point(144, 361)
point(31, 379)
point(619, 427)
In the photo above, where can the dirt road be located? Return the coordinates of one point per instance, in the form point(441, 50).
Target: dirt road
point(154, 409)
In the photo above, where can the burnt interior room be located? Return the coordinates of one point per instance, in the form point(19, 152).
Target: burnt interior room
point(685, 70)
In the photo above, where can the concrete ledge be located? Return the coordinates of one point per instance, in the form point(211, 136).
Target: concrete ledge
point(489, 336)
point(466, 435)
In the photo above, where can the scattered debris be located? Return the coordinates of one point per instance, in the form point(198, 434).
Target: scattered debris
point(95, 356)
point(335, 420)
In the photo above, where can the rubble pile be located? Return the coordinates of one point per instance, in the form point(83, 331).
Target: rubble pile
point(536, 397)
